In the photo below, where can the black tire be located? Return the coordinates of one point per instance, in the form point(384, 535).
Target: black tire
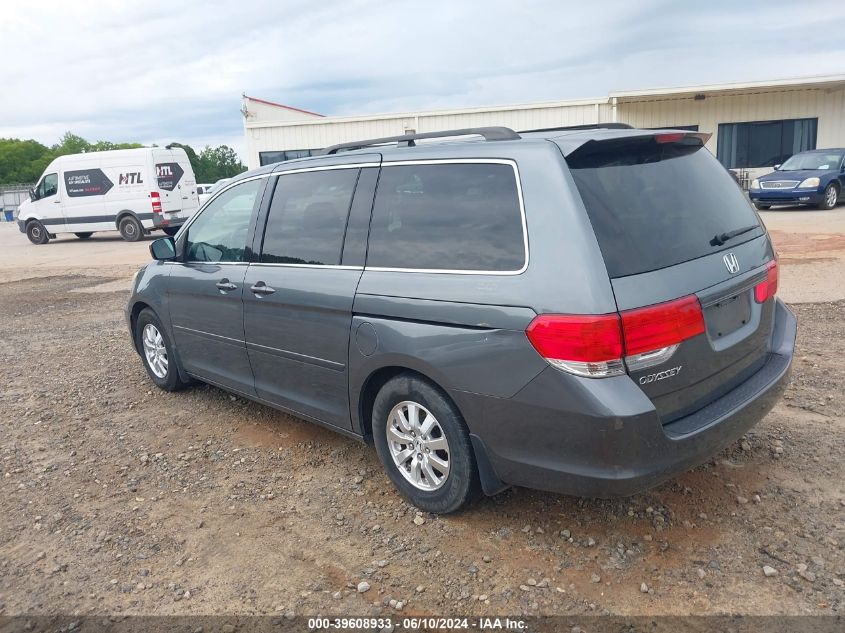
point(85, 235)
point(171, 230)
point(462, 485)
point(170, 381)
point(36, 232)
point(762, 207)
point(831, 197)
point(130, 229)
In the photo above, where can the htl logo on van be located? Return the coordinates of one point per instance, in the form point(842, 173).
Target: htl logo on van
point(130, 178)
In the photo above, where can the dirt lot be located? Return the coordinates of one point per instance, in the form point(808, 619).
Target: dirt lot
point(116, 497)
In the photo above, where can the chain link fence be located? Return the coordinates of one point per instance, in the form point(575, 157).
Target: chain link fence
point(11, 197)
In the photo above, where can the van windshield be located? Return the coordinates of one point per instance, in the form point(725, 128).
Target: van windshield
point(654, 205)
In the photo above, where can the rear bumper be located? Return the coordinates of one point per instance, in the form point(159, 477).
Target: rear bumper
point(787, 196)
point(603, 438)
point(161, 220)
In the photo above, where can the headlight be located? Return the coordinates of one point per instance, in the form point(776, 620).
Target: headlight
point(809, 182)
point(755, 184)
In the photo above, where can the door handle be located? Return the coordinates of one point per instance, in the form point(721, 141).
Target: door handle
point(261, 289)
point(57, 201)
point(225, 285)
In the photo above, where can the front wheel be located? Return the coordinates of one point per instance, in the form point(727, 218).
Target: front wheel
point(130, 229)
point(36, 232)
point(85, 235)
point(831, 197)
point(762, 207)
point(157, 352)
point(424, 445)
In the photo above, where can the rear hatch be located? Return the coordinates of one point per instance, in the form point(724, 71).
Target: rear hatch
point(176, 184)
point(691, 266)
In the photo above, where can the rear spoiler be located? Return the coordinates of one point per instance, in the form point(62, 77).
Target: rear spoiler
point(570, 143)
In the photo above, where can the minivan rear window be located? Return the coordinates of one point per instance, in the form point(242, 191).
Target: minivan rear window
point(447, 216)
point(654, 205)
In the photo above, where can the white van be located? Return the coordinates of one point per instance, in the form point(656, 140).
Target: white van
point(133, 191)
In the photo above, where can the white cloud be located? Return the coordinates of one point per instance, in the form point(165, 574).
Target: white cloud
point(160, 71)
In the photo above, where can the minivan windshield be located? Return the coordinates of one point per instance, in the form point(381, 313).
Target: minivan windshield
point(654, 205)
point(813, 160)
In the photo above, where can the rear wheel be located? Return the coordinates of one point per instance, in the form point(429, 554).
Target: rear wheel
point(157, 352)
point(85, 235)
point(36, 232)
point(762, 207)
point(171, 230)
point(831, 197)
point(424, 445)
point(130, 229)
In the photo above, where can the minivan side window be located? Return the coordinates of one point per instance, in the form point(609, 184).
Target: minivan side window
point(307, 217)
point(49, 186)
point(220, 232)
point(447, 216)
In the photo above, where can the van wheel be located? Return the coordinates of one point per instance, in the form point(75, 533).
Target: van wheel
point(157, 352)
point(84, 236)
point(130, 229)
point(831, 197)
point(424, 445)
point(762, 207)
point(36, 232)
point(171, 230)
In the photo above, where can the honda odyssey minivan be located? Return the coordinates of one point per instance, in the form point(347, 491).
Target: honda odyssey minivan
point(587, 311)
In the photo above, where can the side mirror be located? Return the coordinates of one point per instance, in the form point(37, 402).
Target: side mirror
point(777, 166)
point(163, 249)
point(32, 195)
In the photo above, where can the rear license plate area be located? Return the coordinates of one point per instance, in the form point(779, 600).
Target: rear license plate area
point(727, 315)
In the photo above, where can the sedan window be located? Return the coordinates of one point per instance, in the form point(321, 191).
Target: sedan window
point(812, 160)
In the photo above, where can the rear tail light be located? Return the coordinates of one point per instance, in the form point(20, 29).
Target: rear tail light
point(588, 345)
point(596, 346)
point(155, 197)
point(767, 289)
point(658, 326)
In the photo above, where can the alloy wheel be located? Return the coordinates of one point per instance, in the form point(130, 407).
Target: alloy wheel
point(154, 350)
point(418, 445)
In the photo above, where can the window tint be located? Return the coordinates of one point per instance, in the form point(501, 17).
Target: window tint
point(447, 217)
point(220, 233)
point(764, 143)
point(654, 205)
point(307, 217)
point(49, 186)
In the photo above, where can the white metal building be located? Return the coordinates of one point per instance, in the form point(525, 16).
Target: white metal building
point(754, 125)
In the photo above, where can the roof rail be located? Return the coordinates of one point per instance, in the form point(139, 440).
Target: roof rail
point(489, 134)
point(586, 126)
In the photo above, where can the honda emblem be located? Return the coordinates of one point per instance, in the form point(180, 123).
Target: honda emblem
point(731, 263)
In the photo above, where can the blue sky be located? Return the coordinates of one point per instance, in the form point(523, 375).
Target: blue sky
point(160, 71)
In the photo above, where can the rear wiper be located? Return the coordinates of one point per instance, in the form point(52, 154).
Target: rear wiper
point(719, 240)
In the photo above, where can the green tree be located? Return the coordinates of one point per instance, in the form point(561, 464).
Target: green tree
point(102, 146)
point(71, 144)
point(218, 162)
point(22, 161)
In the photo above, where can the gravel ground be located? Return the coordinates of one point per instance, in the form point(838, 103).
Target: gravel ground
point(119, 498)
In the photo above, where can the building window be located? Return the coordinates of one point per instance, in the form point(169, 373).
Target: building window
point(267, 158)
point(764, 143)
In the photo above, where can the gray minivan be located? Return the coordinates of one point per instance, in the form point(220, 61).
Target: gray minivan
point(587, 311)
